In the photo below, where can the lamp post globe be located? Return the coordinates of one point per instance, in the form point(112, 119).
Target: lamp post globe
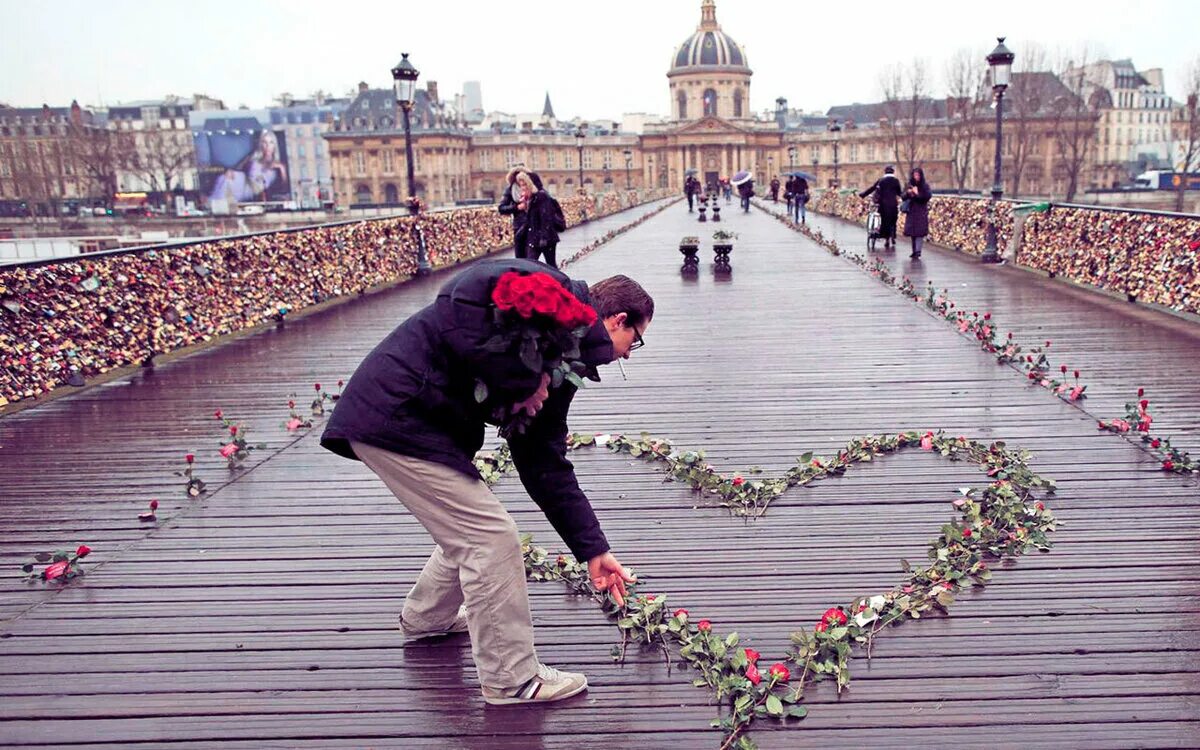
point(404, 75)
point(1000, 63)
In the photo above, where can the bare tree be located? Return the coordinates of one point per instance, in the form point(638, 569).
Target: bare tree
point(906, 105)
point(162, 157)
point(100, 154)
point(1188, 129)
point(1026, 102)
point(964, 79)
point(1074, 113)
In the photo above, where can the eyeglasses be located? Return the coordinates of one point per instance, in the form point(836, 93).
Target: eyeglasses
point(638, 341)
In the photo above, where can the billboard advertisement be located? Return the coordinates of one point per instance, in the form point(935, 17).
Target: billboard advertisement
point(240, 160)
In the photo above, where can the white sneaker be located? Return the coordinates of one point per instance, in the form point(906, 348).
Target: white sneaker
point(547, 685)
point(458, 626)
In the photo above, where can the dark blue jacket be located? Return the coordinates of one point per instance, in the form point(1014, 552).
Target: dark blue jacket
point(414, 395)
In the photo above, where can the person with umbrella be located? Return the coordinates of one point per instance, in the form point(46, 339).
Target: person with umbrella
point(774, 189)
point(745, 185)
point(797, 186)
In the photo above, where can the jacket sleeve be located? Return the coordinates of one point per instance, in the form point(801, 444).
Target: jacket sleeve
point(869, 190)
point(507, 205)
point(923, 193)
point(540, 455)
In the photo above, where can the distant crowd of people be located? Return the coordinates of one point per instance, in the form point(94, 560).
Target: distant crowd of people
point(74, 319)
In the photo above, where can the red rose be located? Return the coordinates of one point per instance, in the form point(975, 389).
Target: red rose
point(738, 481)
point(1047, 342)
point(751, 655)
point(189, 457)
point(54, 570)
point(780, 672)
point(1168, 465)
point(546, 302)
point(83, 551)
point(1144, 403)
point(1040, 506)
point(834, 616)
point(217, 414)
point(752, 674)
point(317, 387)
point(1063, 368)
point(341, 383)
point(233, 429)
point(228, 450)
point(680, 613)
point(704, 626)
point(1155, 443)
point(504, 295)
point(820, 627)
point(1141, 392)
point(153, 505)
point(966, 533)
point(987, 316)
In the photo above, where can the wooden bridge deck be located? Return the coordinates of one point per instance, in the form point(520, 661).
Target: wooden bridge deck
point(263, 616)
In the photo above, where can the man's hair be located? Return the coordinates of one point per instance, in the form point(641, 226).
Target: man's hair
point(889, 169)
point(621, 294)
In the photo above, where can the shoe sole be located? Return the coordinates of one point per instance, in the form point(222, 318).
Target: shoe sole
point(513, 701)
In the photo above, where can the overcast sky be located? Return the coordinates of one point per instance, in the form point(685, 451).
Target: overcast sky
point(597, 59)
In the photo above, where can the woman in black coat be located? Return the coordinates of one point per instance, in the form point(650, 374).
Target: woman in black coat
point(543, 222)
point(916, 223)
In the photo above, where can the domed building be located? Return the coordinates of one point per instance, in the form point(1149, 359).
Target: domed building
point(711, 128)
point(709, 75)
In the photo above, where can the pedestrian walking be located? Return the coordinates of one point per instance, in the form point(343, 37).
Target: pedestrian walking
point(544, 220)
point(916, 223)
point(800, 195)
point(746, 192)
point(691, 186)
point(887, 190)
point(774, 189)
point(510, 205)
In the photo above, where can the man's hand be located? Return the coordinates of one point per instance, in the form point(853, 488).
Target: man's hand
point(533, 404)
point(608, 575)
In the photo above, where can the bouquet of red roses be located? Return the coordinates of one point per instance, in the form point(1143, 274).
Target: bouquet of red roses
point(544, 323)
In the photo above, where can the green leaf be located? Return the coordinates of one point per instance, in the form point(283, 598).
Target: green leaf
point(556, 378)
point(806, 458)
point(798, 712)
point(731, 640)
point(497, 344)
point(530, 356)
point(574, 380)
point(481, 391)
point(905, 565)
point(774, 705)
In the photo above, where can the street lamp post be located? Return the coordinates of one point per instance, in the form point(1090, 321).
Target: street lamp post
point(405, 77)
point(792, 157)
point(836, 129)
point(815, 162)
point(628, 166)
point(579, 136)
point(1000, 61)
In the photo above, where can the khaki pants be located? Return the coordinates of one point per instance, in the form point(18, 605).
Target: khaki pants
point(477, 561)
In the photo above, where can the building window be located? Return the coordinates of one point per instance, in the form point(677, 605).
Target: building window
point(737, 103)
point(533, 159)
point(568, 160)
point(587, 158)
point(550, 161)
point(362, 194)
point(607, 158)
point(682, 99)
point(387, 161)
point(510, 156)
point(360, 162)
point(710, 103)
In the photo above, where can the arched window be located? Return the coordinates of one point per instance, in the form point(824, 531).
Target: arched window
point(737, 103)
point(391, 194)
point(710, 103)
point(362, 194)
point(681, 97)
